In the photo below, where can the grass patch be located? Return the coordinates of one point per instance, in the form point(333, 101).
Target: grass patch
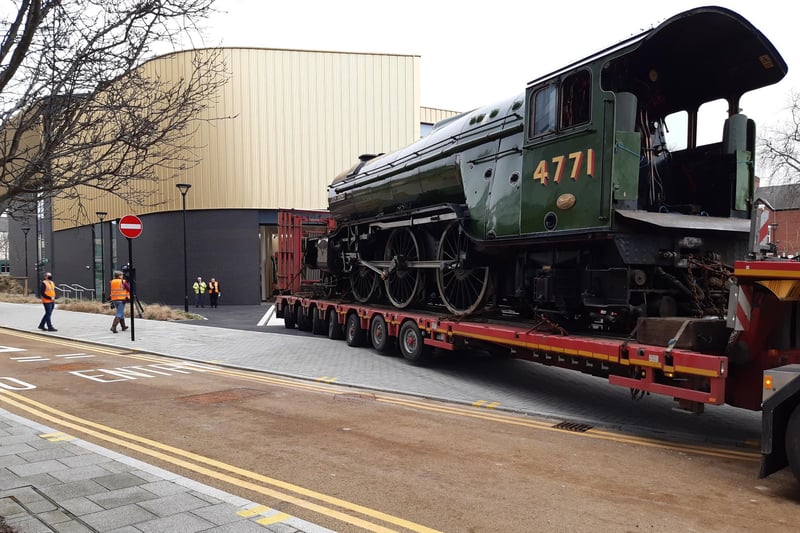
point(149, 311)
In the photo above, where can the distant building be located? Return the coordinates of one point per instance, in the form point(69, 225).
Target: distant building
point(299, 119)
point(784, 203)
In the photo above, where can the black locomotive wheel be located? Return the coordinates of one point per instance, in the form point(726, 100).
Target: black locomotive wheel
point(318, 325)
point(462, 289)
point(412, 344)
point(363, 283)
point(335, 331)
point(793, 442)
point(353, 333)
point(403, 284)
point(378, 334)
point(288, 316)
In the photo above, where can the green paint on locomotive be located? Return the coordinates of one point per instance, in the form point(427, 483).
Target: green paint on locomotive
point(585, 144)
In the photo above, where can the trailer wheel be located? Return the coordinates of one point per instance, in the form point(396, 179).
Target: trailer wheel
point(379, 335)
point(412, 344)
point(793, 442)
point(318, 325)
point(288, 316)
point(303, 323)
point(334, 328)
point(353, 333)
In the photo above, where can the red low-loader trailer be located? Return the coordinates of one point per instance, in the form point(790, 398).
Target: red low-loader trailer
point(749, 359)
point(295, 228)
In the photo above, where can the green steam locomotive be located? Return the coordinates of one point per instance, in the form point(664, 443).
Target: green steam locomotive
point(568, 200)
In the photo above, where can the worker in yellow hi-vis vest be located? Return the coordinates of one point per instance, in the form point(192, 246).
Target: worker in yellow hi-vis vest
point(199, 292)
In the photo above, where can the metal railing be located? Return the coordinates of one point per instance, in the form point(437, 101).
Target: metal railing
point(78, 290)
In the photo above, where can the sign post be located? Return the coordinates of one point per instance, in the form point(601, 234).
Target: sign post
point(131, 227)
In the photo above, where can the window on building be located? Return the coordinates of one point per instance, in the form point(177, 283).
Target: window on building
point(4, 265)
point(425, 129)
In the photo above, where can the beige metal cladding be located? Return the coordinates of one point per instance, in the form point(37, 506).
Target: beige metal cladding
point(430, 115)
point(286, 123)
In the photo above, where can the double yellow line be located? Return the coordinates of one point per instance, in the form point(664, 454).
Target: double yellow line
point(421, 405)
point(480, 412)
point(329, 506)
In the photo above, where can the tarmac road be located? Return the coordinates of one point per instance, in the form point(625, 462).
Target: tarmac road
point(340, 458)
point(515, 385)
point(230, 336)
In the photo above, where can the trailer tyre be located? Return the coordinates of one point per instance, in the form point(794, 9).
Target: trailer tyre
point(353, 333)
point(303, 323)
point(379, 335)
point(412, 344)
point(335, 331)
point(793, 442)
point(288, 317)
point(318, 326)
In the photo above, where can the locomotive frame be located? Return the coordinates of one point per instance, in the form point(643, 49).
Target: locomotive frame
point(565, 200)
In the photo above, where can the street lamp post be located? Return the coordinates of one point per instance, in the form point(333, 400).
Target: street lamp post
point(25, 229)
point(102, 215)
point(38, 249)
point(184, 188)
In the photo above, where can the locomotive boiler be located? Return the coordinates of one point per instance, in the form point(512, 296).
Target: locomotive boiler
point(567, 201)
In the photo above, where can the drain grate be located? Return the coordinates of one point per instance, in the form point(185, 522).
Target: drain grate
point(354, 397)
point(577, 427)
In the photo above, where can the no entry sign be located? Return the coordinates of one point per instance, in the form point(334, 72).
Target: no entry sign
point(130, 226)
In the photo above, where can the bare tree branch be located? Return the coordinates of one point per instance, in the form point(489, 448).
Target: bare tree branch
point(77, 107)
point(779, 148)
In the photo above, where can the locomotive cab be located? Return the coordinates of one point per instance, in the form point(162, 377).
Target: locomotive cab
point(702, 56)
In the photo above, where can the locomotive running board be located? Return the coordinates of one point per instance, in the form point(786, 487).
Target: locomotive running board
point(681, 221)
point(414, 221)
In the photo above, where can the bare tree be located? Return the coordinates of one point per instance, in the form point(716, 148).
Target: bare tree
point(779, 147)
point(79, 112)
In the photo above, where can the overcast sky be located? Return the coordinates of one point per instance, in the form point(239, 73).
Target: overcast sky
point(476, 53)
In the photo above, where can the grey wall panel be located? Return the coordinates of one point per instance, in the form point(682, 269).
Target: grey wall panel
point(222, 244)
point(75, 253)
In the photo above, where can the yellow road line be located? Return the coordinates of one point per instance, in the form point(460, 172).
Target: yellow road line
point(273, 519)
point(501, 418)
point(83, 425)
point(461, 411)
point(592, 433)
point(60, 341)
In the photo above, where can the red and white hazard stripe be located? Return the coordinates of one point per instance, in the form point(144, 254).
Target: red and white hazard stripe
point(743, 299)
point(762, 235)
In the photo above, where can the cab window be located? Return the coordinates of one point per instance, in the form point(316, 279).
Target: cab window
point(543, 106)
point(575, 99)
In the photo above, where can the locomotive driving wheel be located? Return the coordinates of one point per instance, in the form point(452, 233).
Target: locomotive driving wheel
point(363, 283)
point(402, 283)
point(461, 288)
